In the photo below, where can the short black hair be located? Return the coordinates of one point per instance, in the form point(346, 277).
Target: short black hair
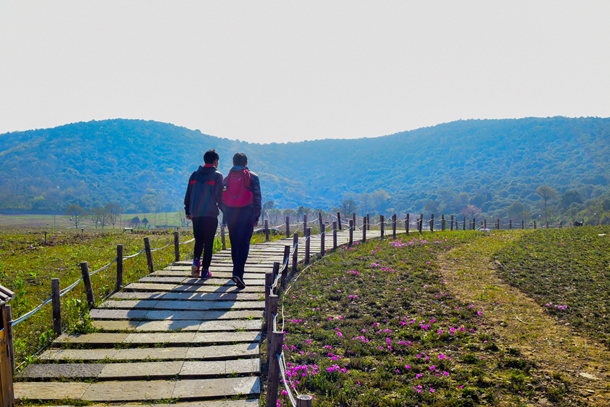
point(240, 159)
point(210, 156)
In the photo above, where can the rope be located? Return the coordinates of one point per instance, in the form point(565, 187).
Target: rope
point(290, 396)
point(161, 248)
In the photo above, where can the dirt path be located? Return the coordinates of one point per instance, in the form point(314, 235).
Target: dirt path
point(561, 356)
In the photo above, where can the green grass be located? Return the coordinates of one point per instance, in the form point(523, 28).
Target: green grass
point(375, 325)
point(567, 271)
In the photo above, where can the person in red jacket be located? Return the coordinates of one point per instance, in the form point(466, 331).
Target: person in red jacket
point(202, 203)
point(241, 210)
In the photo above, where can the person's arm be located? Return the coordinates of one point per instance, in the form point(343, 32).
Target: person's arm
point(218, 186)
point(256, 198)
point(187, 197)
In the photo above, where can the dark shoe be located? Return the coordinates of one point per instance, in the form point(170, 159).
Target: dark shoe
point(239, 282)
point(205, 274)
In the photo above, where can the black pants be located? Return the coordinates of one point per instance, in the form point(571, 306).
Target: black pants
point(204, 229)
point(241, 225)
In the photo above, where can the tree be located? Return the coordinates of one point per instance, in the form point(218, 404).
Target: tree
point(471, 211)
point(113, 211)
point(303, 210)
point(135, 221)
point(569, 197)
point(145, 221)
point(99, 216)
point(266, 207)
point(348, 206)
point(546, 193)
point(432, 207)
point(516, 210)
point(75, 212)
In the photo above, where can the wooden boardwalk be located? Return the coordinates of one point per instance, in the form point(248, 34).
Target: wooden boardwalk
point(169, 337)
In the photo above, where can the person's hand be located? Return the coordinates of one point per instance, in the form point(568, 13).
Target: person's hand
point(189, 217)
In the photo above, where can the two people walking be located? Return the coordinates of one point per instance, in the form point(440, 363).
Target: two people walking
point(238, 197)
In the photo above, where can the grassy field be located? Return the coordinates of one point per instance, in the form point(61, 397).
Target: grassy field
point(378, 324)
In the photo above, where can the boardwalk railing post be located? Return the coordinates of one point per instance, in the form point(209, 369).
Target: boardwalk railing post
point(443, 222)
point(56, 306)
point(547, 224)
point(510, 223)
point(522, 224)
point(320, 220)
point(452, 224)
point(354, 220)
point(273, 377)
point(285, 265)
point(304, 400)
point(8, 320)
point(304, 222)
point(273, 301)
point(176, 246)
point(534, 224)
point(351, 232)
point(295, 255)
point(485, 222)
point(474, 223)
point(382, 224)
point(335, 235)
point(268, 283)
point(339, 220)
point(464, 224)
point(276, 271)
point(223, 237)
point(561, 225)
point(149, 258)
point(323, 239)
point(364, 229)
point(432, 222)
point(266, 230)
point(307, 244)
point(287, 226)
point(119, 267)
point(394, 226)
point(368, 221)
point(84, 268)
point(407, 220)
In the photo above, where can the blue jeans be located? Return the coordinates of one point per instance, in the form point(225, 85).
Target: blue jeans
point(241, 226)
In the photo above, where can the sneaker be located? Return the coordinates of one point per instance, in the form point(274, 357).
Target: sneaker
point(239, 282)
point(195, 268)
point(205, 274)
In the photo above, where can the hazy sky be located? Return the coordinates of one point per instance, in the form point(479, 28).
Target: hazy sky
point(288, 71)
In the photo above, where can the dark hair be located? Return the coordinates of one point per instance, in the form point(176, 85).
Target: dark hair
point(210, 156)
point(240, 159)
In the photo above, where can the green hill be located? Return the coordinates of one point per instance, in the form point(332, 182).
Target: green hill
point(146, 164)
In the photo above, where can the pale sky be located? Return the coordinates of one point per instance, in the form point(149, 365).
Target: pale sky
point(278, 71)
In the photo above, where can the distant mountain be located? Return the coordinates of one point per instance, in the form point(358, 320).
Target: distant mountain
point(146, 164)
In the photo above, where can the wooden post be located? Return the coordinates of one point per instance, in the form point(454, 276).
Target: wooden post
point(355, 221)
point(382, 224)
point(510, 224)
point(119, 267)
point(320, 221)
point(84, 268)
point(176, 246)
point(287, 226)
point(268, 283)
point(474, 223)
point(55, 300)
point(431, 222)
point(285, 265)
point(304, 222)
point(522, 224)
point(534, 224)
point(351, 232)
point(149, 258)
point(273, 377)
point(307, 244)
point(223, 237)
point(323, 240)
point(442, 222)
point(266, 230)
point(407, 220)
point(464, 223)
point(421, 223)
point(364, 229)
point(368, 221)
point(304, 400)
point(335, 235)
point(547, 224)
point(295, 255)
point(273, 301)
point(560, 224)
point(276, 270)
point(8, 320)
point(485, 222)
point(339, 220)
point(394, 226)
